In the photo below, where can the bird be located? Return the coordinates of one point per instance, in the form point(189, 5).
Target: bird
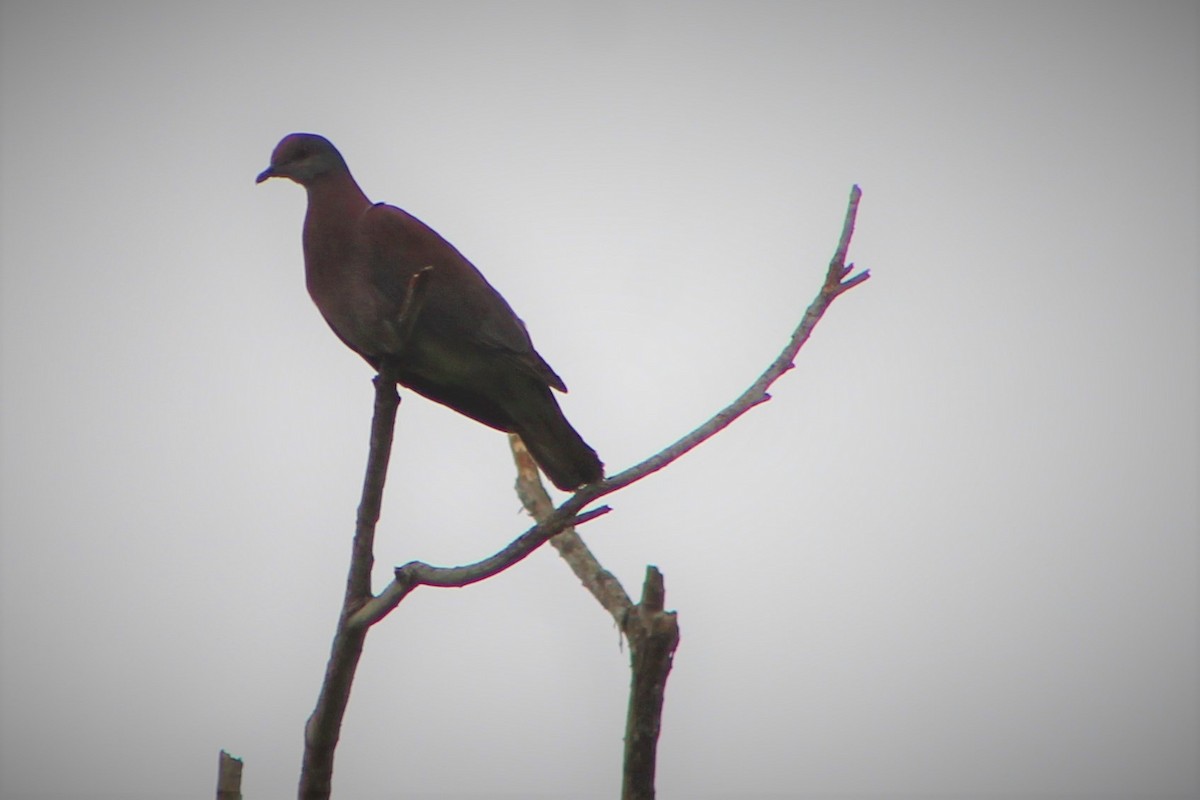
point(398, 294)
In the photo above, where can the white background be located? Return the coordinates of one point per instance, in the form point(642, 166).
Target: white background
point(956, 553)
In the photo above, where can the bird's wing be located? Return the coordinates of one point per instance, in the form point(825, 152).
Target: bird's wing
point(459, 306)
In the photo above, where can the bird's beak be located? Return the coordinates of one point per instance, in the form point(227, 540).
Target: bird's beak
point(269, 172)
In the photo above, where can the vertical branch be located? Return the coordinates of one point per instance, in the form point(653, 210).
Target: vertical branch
point(653, 636)
point(325, 725)
point(383, 426)
point(229, 777)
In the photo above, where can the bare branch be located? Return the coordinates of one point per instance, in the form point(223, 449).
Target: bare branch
point(418, 573)
point(596, 579)
point(358, 585)
point(757, 393)
point(324, 726)
point(653, 637)
point(838, 265)
point(229, 777)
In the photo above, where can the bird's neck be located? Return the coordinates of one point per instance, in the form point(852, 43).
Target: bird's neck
point(335, 205)
point(336, 195)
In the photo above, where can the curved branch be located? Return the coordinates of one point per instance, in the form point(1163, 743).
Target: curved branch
point(838, 280)
point(418, 573)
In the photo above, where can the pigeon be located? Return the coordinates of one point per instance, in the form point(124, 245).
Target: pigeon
point(400, 295)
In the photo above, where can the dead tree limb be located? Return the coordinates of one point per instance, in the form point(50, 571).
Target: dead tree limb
point(229, 777)
point(325, 725)
point(653, 636)
point(603, 585)
point(652, 632)
point(361, 609)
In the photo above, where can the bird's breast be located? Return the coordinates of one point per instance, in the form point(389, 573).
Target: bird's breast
point(358, 314)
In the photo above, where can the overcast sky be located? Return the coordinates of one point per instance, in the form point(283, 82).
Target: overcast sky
point(956, 553)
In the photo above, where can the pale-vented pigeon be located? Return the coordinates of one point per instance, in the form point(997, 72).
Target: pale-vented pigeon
point(457, 341)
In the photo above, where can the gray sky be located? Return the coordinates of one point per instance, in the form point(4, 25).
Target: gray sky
point(957, 553)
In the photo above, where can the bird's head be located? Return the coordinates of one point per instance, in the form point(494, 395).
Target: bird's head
point(303, 157)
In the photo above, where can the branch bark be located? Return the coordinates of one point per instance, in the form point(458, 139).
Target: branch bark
point(603, 585)
point(229, 777)
point(653, 637)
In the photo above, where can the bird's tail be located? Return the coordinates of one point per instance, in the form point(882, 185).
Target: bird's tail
point(558, 449)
